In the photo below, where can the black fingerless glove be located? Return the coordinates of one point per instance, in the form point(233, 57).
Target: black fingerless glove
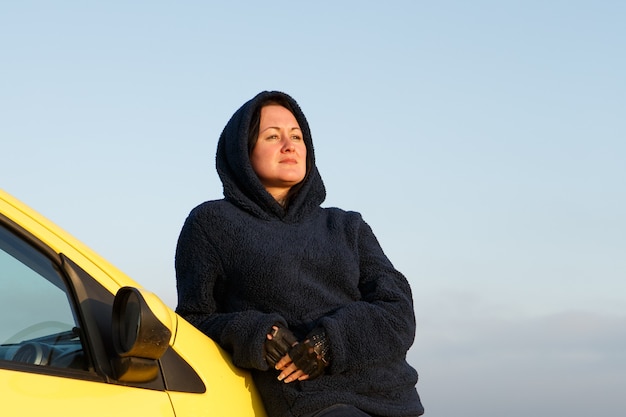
point(279, 345)
point(313, 355)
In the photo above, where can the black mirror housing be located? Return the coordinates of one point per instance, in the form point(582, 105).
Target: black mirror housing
point(140, 335)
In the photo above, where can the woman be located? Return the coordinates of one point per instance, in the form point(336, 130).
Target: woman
point(301, 295)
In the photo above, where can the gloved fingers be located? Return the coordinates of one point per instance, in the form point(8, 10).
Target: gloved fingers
point(277, 344)
point(272, 355)
point(283, 336)
point(307, 360)
point(284, 362)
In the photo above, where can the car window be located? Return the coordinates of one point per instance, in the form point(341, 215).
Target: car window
point(37, 324)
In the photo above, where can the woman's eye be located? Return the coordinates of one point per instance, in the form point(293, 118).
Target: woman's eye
point(296, 137)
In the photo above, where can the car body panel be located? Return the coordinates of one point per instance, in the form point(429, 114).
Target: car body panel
point(46, 395)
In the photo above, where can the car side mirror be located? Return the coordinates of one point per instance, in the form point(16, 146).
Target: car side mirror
point(142, 330)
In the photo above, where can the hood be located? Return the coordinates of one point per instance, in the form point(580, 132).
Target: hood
point(242, 186)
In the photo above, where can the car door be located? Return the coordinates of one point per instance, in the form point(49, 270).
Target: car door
point(53, 355)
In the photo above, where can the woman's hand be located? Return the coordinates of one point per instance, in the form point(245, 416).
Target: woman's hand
point(305, 360)
point(297, 361)
point(279, 341)
point(289, 370)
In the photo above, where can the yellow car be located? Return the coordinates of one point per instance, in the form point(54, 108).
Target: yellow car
point(80, 338)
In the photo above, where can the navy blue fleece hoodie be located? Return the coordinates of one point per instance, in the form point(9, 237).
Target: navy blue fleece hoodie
point(244, 263)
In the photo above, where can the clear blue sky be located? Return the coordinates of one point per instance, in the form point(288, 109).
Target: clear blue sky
point(484, 142)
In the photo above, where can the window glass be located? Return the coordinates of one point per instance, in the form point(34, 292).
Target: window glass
point(37, 324)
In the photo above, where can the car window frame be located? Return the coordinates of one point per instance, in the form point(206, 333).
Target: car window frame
point(91, 304)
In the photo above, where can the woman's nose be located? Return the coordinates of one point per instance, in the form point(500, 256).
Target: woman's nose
point(287, 143)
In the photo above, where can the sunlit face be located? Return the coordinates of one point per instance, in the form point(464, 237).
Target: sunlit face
point(279, 155)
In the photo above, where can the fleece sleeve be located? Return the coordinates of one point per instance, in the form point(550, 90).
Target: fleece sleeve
point(198, 268)
point(380, 326)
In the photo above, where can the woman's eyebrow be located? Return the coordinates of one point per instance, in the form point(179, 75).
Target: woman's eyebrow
point(278, 128)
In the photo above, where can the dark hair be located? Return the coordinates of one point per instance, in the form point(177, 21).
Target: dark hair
point(253, 136)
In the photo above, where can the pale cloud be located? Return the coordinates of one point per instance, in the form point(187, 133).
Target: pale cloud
point(476, 364)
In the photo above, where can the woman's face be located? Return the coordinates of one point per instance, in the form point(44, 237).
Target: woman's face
point(279, 155)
